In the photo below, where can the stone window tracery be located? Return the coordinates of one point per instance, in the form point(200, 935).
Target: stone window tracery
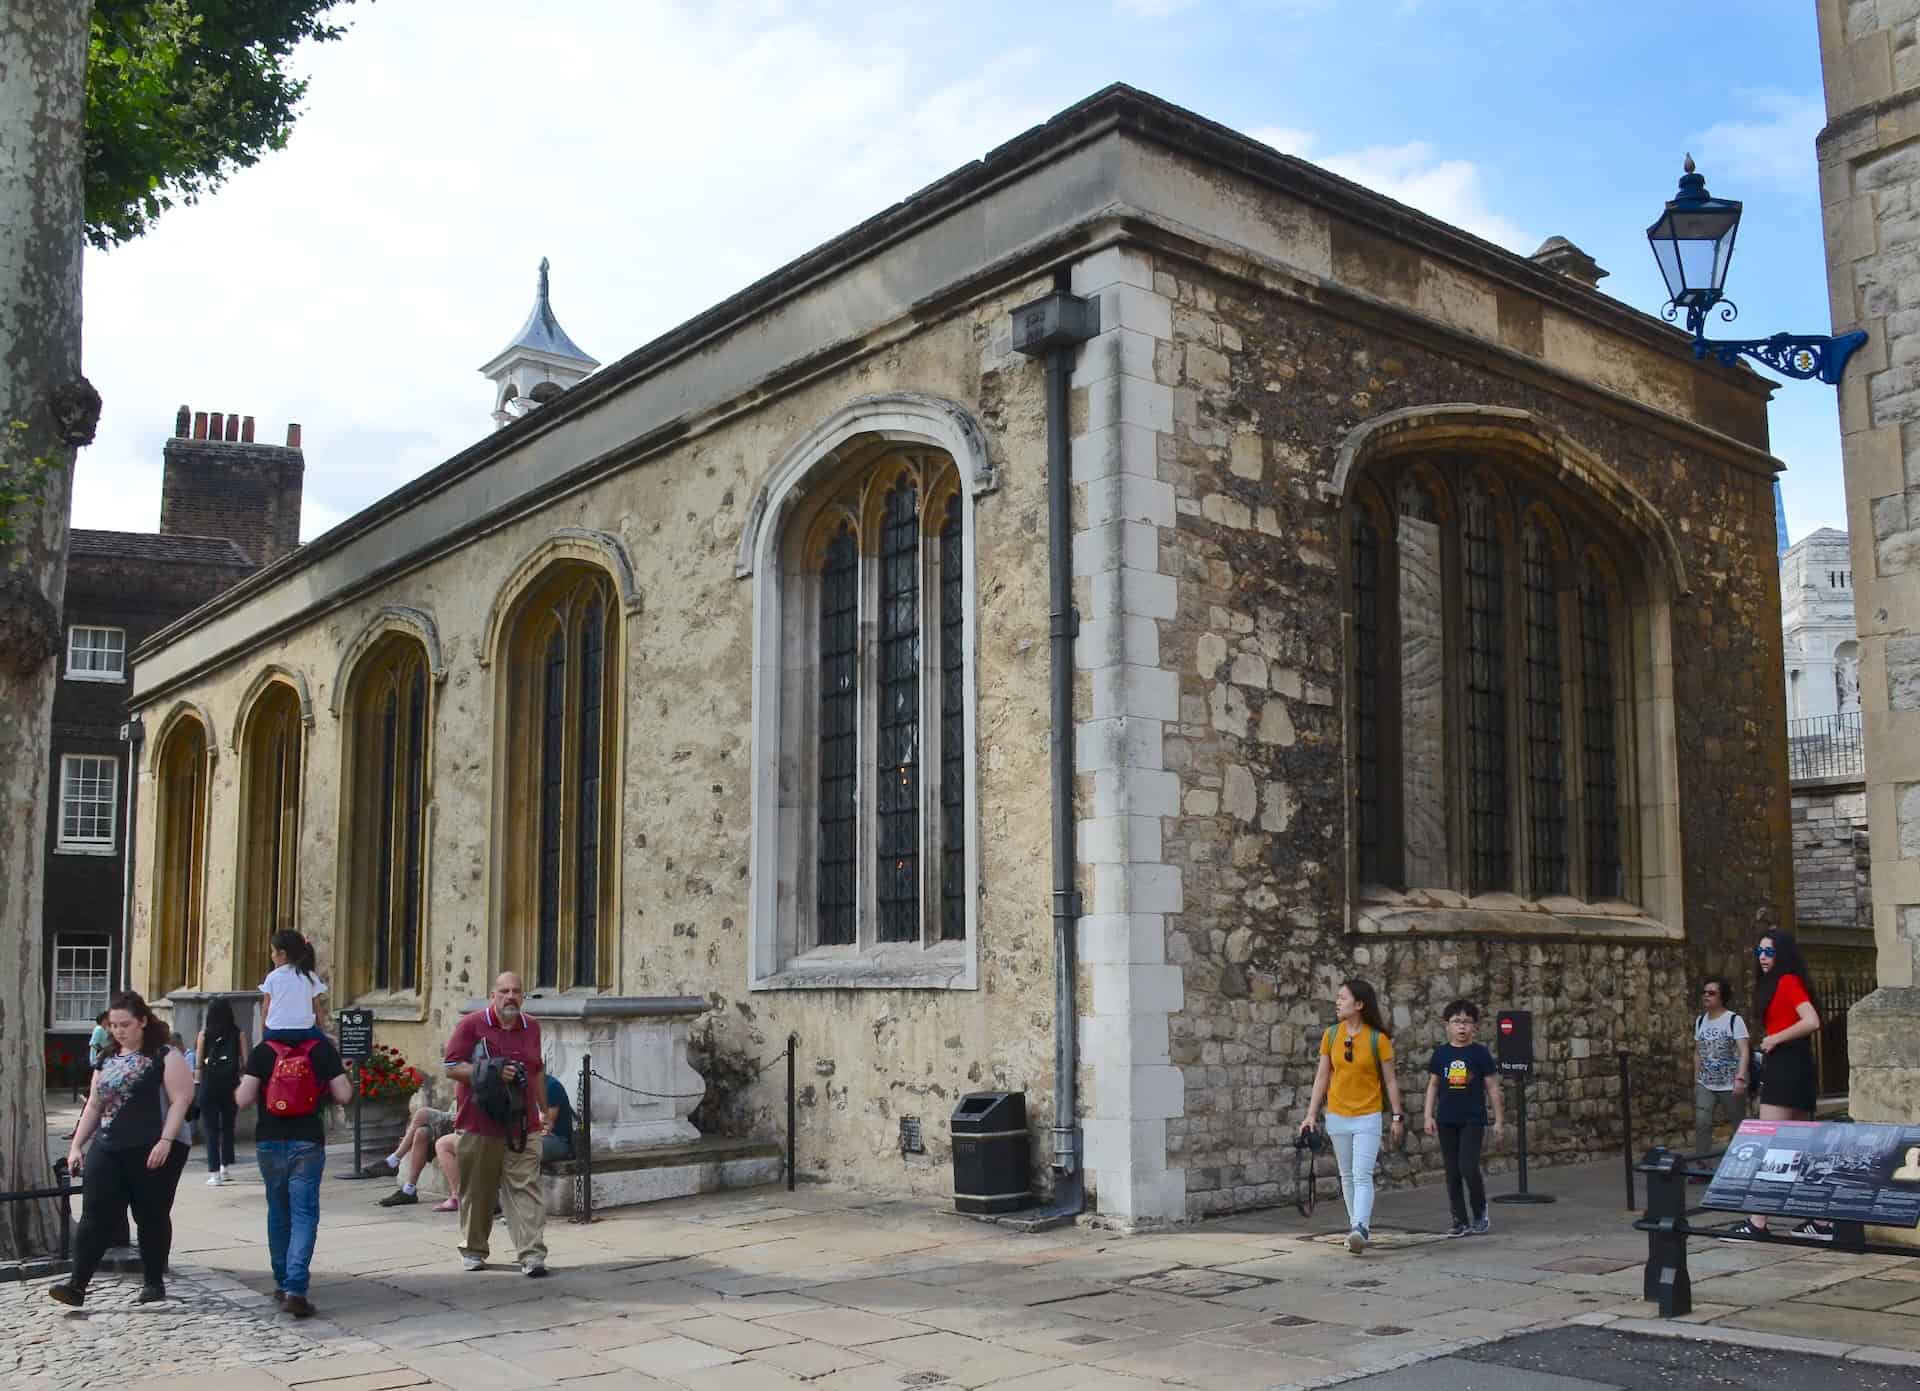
point(559, 804)
point(1490, 702)
point(272, 764)
point(388, 727)
point(179, 882)
point(873, 700)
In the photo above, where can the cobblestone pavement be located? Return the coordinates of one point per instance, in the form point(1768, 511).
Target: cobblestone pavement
point(832, 1288)
point(209, 1323)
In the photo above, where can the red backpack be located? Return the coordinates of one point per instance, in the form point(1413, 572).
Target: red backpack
point(293, 1089)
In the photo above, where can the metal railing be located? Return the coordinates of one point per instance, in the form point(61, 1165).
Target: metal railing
point(1825, 746)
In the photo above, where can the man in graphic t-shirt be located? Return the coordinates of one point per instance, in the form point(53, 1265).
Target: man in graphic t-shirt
point(1720, 1066)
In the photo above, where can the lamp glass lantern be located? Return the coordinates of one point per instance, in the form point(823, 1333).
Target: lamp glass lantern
point(1692, 241)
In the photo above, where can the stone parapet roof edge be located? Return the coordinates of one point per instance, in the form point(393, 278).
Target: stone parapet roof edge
point(1117, 108)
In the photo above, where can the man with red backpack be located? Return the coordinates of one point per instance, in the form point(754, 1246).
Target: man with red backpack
point(291, 1081)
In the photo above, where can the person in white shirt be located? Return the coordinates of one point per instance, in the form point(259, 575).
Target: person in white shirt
point(1720, 1064)
point(288, 993)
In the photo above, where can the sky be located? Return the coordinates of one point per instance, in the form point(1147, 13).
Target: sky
point(665, 155)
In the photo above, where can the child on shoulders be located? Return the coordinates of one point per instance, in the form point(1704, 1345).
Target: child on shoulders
point(1463, 1086)
point(288, 993)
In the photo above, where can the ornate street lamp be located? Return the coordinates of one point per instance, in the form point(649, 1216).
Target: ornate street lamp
point(1693, 243)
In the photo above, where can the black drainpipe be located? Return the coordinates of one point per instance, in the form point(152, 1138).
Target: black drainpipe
point(1051, 328)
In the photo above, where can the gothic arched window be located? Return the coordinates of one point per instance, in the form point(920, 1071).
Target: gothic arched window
point(1491, 698)
point(873, 699)
point(561, 668)
point(272, 762)
point(180, 836)
point(388, 730)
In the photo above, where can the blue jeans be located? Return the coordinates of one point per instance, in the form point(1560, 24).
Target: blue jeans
point(1356, 1144)
point(311, 1032)
point(292, 1169)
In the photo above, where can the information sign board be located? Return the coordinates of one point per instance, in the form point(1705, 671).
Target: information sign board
point(356, 1034)
point(1844, 1171)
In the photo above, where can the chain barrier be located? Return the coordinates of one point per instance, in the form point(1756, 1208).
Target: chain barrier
point(583, 1123)
point(759, 1068)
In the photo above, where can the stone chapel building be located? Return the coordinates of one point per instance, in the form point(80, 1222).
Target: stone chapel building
point(1424, 628)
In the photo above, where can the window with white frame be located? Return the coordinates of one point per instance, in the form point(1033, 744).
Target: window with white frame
point(88, 787)
point(96, 654)
point(82, 963)
point(872, 727)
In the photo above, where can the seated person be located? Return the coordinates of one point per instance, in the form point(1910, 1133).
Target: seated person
point(558, 1144)
point(429, 1131)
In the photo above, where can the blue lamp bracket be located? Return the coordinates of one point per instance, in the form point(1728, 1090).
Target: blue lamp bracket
point(1803, 356)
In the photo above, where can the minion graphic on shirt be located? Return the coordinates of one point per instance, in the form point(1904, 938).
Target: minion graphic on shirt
point(1457, 1077)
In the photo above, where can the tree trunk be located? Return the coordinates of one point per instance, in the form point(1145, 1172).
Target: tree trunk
point(46, 411)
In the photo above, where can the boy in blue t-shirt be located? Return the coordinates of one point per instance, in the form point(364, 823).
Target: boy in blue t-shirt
point(1463, 1086)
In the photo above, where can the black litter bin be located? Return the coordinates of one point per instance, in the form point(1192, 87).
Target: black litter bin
point(990, 1170)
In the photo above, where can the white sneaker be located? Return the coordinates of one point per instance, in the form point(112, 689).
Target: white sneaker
point(472, 1262)
point(1356, 1241)
point(214, 1180)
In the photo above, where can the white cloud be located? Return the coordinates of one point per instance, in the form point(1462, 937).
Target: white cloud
point(662, 156)
point(1415, 174)
point(1775, 146)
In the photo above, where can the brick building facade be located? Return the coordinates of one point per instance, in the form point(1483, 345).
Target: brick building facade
point(1425, 629)
point(122, 589)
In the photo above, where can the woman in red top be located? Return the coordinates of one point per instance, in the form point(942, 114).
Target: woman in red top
point(1789, 1017)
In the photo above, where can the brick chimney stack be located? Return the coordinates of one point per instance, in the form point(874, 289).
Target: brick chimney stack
point(219, 482)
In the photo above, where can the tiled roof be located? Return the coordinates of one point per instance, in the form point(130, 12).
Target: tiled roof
point(151, 545)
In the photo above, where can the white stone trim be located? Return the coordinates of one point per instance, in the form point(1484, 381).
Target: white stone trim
point(1131, 1087)
point(908, 418)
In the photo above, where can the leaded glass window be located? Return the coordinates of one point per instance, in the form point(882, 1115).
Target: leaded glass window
point(553, 734)
point(838, 836)
point(1600, 750)
point(1487, 695)
point(1366, 712)
point(879, 558)
point(383, 835)
point(587, 795)
point(560, 800)
point(1488, 852)
point(270, 779)
point(1546, 742)
point(953, 757)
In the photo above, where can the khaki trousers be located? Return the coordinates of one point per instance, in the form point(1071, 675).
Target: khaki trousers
point(487, 1166)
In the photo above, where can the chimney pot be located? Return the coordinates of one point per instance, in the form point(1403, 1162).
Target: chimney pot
point(233, 429)
point(182, 422)
point(293, 436)
point(199, 425)
point(246, 429)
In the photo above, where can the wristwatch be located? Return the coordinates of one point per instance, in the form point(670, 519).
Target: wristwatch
point(1398, 1117)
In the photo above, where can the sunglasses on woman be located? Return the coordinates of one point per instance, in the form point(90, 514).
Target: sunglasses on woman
point(1349, 1047)
point(1763, 951)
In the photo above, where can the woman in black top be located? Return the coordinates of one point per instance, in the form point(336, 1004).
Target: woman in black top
point(219, 1055)
point(138, 1107)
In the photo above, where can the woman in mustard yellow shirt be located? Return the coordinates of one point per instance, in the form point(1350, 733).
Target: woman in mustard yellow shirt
point(1356, 1062)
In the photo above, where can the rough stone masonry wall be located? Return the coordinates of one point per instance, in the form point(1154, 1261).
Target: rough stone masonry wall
point(1870, 207)
point(1832, 863)
point(866, 1056)
point(1264, 390)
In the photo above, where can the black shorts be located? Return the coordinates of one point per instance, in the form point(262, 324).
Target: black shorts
point(1786, 1076)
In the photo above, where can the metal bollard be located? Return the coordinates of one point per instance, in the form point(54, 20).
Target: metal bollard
point(1666, 1282)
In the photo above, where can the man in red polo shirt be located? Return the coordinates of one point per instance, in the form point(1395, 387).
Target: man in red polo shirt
point(488, 1156)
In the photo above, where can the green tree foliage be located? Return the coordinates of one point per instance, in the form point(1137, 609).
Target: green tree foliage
point(180, 93)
